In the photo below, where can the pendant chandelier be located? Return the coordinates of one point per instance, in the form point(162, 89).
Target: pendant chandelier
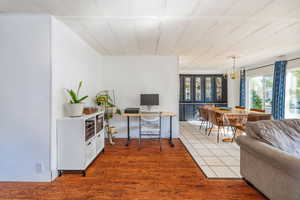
point(233, 73)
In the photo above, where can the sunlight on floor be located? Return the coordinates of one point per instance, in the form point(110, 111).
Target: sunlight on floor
point(217, 160)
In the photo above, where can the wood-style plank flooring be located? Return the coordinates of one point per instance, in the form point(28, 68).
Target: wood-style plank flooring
point(126, 173)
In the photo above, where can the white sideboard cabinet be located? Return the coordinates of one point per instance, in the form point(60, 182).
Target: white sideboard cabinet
point(80, 140)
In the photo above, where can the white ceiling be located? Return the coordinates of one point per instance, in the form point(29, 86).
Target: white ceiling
point(203, 33)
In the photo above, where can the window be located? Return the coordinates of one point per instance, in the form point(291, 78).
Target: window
point(187, 88)
point(292, 97)
point(198, 89)
point(260, 93)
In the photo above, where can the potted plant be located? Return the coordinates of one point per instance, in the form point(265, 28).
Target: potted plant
point(75, 105)
point(104, 100)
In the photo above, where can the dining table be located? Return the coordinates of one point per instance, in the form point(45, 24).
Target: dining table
point(234, 114)
point(237, 112)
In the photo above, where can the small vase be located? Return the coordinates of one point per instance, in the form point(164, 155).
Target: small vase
point(75, 110)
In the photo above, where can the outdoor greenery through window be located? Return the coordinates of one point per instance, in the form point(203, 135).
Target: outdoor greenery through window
point(292, 109)
point(260, 93)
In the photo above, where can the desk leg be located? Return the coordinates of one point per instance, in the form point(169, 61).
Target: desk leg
point(171, 136)
point(128, 131)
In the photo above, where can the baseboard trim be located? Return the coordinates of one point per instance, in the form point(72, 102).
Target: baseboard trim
point(54, 174)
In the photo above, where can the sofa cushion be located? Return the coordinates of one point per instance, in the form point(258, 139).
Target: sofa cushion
point(282, 134)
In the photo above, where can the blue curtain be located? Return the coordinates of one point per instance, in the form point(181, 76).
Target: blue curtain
point(243, 88)
point(278, 101)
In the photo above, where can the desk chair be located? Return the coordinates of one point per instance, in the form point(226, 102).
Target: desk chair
point(150, 127)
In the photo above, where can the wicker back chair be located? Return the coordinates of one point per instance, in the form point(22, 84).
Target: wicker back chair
point(257, 110)
point(237, 122)
point(216, 119)
point(240, 107)
point(257, 117)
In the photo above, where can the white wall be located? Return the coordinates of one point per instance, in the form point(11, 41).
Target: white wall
point(39, 57)
point(233, 91)
point(130, 76)
point(72, 61)
point(25, 97)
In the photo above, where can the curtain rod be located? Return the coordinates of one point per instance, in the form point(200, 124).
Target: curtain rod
point(263, 66)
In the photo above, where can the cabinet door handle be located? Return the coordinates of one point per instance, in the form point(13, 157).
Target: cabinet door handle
point(89, 143)
point(99, 135)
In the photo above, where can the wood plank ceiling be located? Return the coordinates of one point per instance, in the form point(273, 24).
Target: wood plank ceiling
point(203, 33)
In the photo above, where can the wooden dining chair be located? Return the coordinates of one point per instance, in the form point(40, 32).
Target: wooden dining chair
point(237, 122)
point(208, 106)
point(202, 116)
point(240, 107)
point(205, 113)
point(257, 110)
point(216, 119)
point(257, 117)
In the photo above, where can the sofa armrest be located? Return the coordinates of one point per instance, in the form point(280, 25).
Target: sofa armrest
point(273, 156)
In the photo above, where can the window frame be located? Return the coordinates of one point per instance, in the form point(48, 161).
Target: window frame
point(248, 95)
point(287, 96)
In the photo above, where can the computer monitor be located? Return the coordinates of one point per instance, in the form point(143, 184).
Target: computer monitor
point(149, 99)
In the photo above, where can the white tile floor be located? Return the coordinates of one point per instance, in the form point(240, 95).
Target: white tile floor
point(216, 160)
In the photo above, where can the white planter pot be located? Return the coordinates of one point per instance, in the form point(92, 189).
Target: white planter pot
point(75, 110)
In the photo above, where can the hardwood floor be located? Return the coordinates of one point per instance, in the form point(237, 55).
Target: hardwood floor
point(128, 173)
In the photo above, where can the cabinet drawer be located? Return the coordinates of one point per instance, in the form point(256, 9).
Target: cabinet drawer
point(90, 151)
point(100, 141)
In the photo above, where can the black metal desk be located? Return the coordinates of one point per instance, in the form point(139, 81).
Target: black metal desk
point(164, 114)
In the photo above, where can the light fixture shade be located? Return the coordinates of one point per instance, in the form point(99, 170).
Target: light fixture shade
point(233, 75)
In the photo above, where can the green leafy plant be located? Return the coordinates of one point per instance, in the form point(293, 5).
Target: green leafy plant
point(106, 101)
point(256, 101)
point(75, 99)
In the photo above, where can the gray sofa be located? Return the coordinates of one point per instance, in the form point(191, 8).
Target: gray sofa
point(273, 171)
